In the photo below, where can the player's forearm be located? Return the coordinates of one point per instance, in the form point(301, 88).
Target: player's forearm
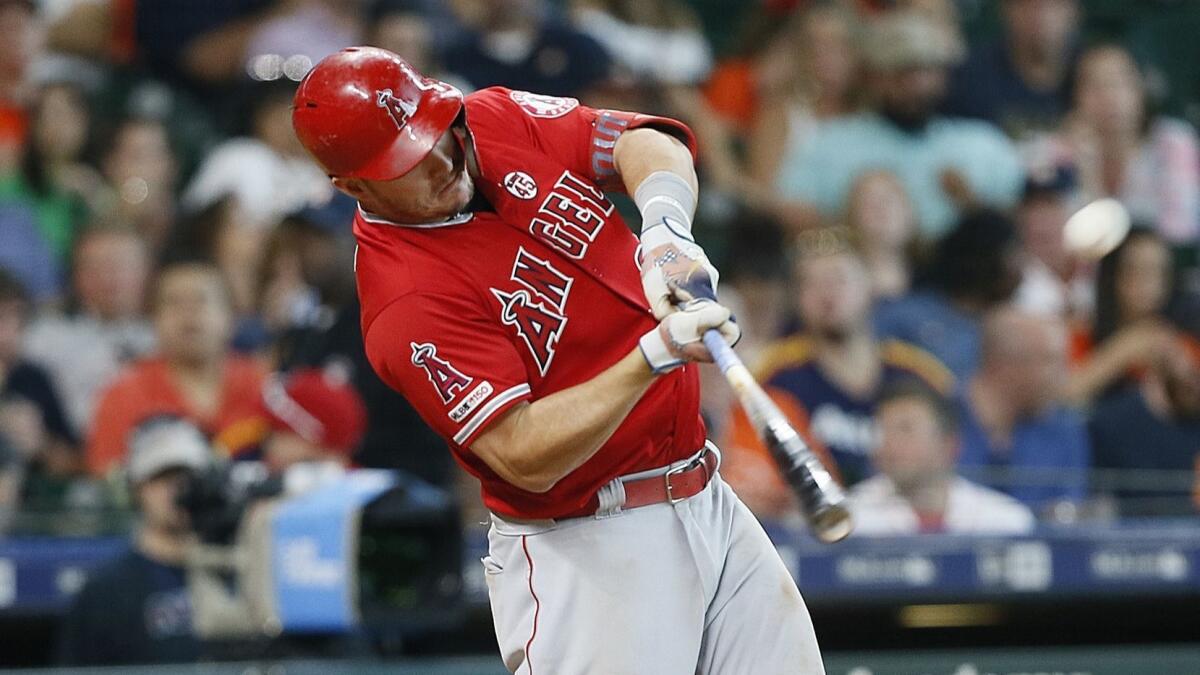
point(641, 152)
point(538, 444)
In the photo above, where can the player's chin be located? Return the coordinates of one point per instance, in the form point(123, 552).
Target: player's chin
point(457, 197)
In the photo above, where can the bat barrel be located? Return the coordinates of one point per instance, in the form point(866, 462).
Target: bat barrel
point(821, 498)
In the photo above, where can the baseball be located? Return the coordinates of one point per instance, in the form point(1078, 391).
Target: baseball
point(1097, 228)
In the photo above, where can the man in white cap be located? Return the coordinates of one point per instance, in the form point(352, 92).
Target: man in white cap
point(136, 609)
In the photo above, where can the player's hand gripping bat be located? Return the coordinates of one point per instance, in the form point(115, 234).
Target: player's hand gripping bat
point(821, 498)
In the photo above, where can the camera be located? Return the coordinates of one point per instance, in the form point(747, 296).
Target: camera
point(355, 549)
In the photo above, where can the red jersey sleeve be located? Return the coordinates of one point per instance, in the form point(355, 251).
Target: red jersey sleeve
point(452, 362)
point(580, 137)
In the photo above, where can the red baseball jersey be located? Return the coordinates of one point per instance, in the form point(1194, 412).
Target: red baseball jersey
point(470, 317)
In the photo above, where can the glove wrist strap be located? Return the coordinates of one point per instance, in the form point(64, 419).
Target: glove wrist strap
point(657, 354)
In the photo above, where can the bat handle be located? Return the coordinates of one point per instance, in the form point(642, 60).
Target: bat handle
point(722, 353)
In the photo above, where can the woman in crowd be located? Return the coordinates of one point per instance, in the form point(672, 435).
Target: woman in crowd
point(1134, 288)
point(808, 74)
point(881, 216)
point(1122, 150)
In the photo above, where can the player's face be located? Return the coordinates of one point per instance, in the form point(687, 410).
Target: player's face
point(436, 189)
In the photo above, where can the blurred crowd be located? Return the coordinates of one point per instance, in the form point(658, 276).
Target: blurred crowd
point(887, 186)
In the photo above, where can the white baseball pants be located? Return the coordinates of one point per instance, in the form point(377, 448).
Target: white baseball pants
point(666, 589)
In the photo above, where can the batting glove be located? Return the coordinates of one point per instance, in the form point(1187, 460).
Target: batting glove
point(678, 337)
point(675, 270)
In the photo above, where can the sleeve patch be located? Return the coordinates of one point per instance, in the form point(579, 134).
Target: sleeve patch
point(546, 107)
point(471, 402)
point(448, 380)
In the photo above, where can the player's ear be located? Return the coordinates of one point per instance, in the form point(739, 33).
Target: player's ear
point(351, 186)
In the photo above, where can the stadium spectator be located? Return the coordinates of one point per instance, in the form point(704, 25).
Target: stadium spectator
point(303, 32)
point(658, 43)
point(267, 173)
point(1145, 439)
point(142, 171)
point(973, 269)
point(1053, 280)
point(136, 609)
point(411, 28)
point(808, 74)
point(945, 164)
point(917, 489)
point(54, 164)
point(880, 216)
point(1151, 163)
point(828, 378)
point(1016, 434)
point(41, 202)
point(33, 425)
point(105, 325)
point(193, 375)
point(197, 45)
point(1134, 288)
point(1019, 81)
point(21, 45)
point(316, 418)
point(525, 45)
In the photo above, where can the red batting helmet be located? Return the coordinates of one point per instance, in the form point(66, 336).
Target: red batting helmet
point(364, 112)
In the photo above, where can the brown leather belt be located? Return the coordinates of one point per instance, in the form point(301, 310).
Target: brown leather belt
point(675, 485)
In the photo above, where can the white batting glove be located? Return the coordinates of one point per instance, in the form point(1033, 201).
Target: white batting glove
point(674, 269)
point(679, 336)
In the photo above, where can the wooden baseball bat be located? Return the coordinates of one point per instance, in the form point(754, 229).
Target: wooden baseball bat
point(821, 499)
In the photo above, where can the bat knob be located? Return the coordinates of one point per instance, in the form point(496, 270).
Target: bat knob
point(832, 524)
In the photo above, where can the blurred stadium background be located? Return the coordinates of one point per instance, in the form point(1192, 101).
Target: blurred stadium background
point(887, 186)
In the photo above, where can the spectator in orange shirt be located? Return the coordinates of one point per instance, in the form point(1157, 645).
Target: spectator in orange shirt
point(193, 376)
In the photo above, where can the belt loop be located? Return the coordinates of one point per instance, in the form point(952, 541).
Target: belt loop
point(611, 498)
point(712, 447)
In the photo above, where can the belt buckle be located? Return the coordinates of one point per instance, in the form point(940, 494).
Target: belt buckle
point(671, 499)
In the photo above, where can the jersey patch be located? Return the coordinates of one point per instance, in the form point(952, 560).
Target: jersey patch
point(537, 308)
point(547, 107)
point(448, 380)
point(471, 402)
point(571, 216)
point(520, 185)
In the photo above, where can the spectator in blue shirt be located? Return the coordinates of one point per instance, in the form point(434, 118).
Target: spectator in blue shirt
point(524, 44)
point(945, 164)
point(973, 269)
point(1016, 434)
point(1019, 82)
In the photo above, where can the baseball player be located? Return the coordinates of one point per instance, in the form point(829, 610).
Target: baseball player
point(504, 297)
